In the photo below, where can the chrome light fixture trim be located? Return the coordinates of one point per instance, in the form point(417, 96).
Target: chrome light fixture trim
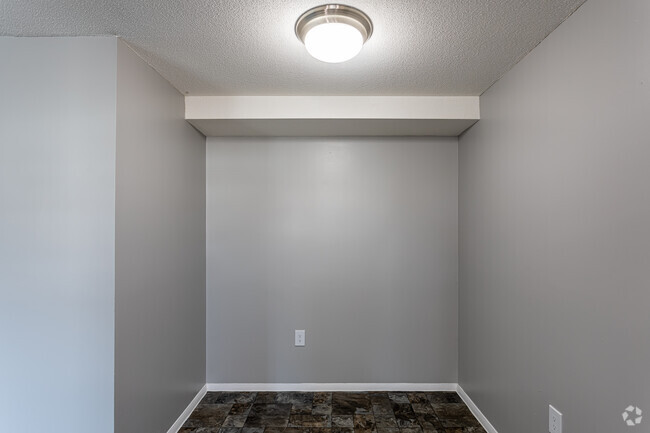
point(333, 13)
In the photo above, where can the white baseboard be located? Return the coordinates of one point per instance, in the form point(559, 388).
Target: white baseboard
point(328, 387)
point(476, 411)
point(188, 410)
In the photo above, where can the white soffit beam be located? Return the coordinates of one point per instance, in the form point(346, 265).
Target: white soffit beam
point(332, 107)
point(331, 115)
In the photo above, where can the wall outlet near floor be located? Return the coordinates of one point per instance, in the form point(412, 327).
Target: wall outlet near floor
point(554, 420)
point(300, 337)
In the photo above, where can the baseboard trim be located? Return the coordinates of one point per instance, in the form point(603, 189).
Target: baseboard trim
point(329, 387)
point(476, 411)
point(188, 410)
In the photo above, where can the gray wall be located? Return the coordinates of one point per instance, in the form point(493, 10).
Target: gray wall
point(555, 230)
point(160, 251)
point(57, 165)
point(352, 239)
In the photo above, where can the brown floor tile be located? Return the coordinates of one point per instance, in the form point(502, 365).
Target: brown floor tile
point(387, 430)
point(234, 421)
point(266, 398)
point(464, 430)
point(322, 409)
point(268, 415)
point(379, 398)
point(429, 422)
point(322, 398)
point(199, 430)
point(422, 408)
point(364, 422)
point(350, 403)
point(398, 397)
point(208, 415)
point(310, 421)
point(253, 430)
point(455, 415)
point(343, 421)
point(386, 423)
point(383, 408)
point(417, 398)
point(301, 410)
point(240, 408)
point(444, 397)
point(338, 412)
point(228, 397)
point(404, 414)
point(296, 430)
point(295, 398)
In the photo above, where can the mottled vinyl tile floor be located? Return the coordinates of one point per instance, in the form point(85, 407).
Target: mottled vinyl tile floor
point(332, 412)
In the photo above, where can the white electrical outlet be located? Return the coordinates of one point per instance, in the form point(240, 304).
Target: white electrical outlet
point(300, 337)
point(554, 420)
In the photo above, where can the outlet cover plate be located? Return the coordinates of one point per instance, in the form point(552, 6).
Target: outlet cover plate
point(300, 337)
point(554, 420)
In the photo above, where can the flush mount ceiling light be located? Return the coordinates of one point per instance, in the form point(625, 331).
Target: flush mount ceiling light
point(333, 33)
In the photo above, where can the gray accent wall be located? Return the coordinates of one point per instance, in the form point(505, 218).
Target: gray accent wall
point(555, 230)
point(160, 251)
point(57, 214)
point(352, 239)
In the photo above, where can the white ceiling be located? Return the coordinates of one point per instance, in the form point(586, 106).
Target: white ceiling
point(247, 47)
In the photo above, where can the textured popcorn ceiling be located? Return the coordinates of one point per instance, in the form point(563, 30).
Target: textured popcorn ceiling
point(247, 47)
